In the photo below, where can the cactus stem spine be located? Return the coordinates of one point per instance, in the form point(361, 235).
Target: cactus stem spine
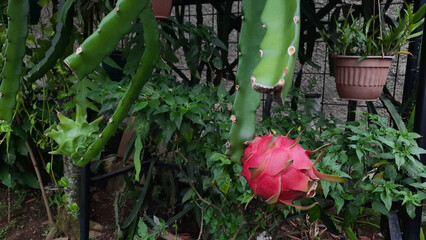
point(291, 50)
point(78, 50)
point(296, 19)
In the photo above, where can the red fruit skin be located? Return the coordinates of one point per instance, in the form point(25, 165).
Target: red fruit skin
point(279, 170)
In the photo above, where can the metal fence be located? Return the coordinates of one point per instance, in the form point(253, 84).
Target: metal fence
point(317, 79)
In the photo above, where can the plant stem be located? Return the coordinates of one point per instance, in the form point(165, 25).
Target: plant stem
point(243, 222)
point(40, 182)
point(193, 187)
point(9, 205)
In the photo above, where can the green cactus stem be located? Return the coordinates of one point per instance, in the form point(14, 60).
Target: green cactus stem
point(246, 100)
point(144, 72)
point(278, 49)
point(59, 42)
point(104, 40)
point(17, 13)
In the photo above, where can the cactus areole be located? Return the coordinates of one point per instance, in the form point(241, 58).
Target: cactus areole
point(279, 170)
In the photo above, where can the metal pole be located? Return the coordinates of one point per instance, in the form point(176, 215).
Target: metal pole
point(411, 228)
point(412, 59)
point(84, 202)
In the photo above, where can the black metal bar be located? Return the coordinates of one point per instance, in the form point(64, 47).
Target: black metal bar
point(394, 229)
point(412, 60)
point(192, 2)
point(130, 168)
point(112, 174)
point(351, 110)
point(411, 227)
point(84, 202)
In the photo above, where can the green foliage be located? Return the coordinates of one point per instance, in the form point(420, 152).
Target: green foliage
point(201, 48)
point(59, 42)
point(358, 36)
point(382, 163)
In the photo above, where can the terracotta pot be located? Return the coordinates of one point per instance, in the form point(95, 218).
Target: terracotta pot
point(162, 8)
point(361, 80)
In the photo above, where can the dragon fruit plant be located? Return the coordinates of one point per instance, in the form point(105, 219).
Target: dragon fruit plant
point(268, 46)
point(88, 56)
point(279, 170)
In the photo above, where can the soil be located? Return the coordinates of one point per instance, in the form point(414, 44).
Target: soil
point(29, 220)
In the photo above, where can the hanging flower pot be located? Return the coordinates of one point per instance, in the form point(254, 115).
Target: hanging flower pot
point(162, 8)
point(361, 80)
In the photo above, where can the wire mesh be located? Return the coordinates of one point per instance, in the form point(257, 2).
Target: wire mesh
point(315, 81)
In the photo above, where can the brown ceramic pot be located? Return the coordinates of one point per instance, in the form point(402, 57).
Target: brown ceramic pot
point(161, 8)
point(361, 80)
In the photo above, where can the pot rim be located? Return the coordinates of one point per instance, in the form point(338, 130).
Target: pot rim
point(366, 57)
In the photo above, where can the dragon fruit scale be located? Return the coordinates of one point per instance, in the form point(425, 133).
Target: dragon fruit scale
point(279, 170)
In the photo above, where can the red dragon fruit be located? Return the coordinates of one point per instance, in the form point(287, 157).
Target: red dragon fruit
point(279, 170)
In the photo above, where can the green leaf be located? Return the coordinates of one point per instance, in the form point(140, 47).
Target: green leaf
point(399, 160)
point(223, 181)
point(325, 187)
point(384, 156)
point(359, 154)
point(142, 228)
point(216, 41)
point(419, 185)
point(112, 63)
point(416, 150)
point(137, 161)
point(379, 207)
point(314, 213)
point(63, 182)
point(6, 176)
point(28, 179)
point(73, 207)
point(140, 105)
point(43, 3)
point(21, 147)
point(221, 91)
point(168, 129)
point(189, 194)
point(387, 200)
point(48, 165)
point(393, 112)
point(218, 157)
point(187, 131)
point(411, 210)
point(391, 172)
point(177, 118)
point(338, 201)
